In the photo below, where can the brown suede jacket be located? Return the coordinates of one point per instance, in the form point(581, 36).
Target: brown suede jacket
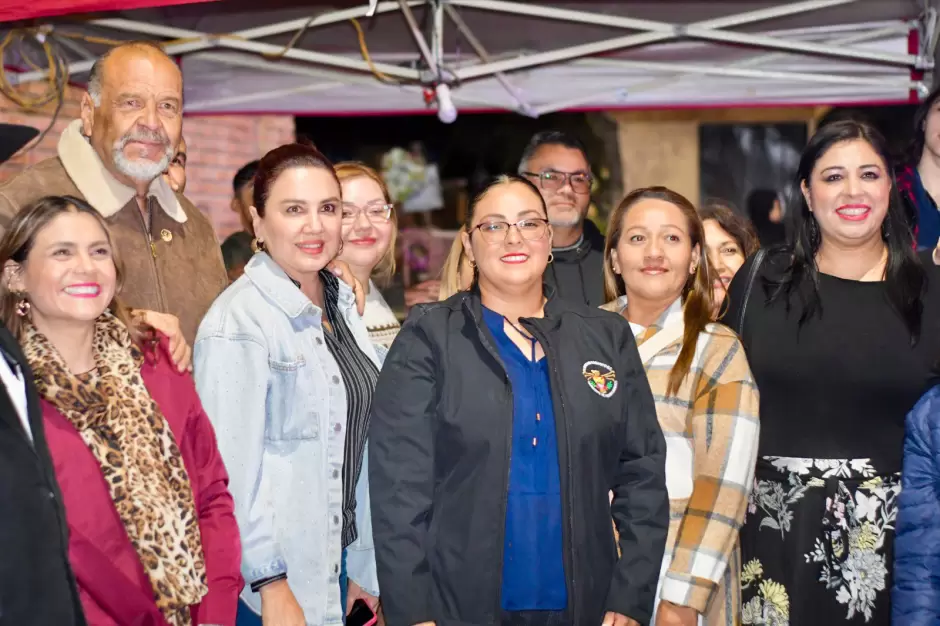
point(177, 269)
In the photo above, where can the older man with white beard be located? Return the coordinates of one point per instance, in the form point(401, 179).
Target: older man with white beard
point(114, 158)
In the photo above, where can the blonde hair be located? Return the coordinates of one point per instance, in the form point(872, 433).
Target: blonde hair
point(348, 170)
point(450, 273)
point(697, 295)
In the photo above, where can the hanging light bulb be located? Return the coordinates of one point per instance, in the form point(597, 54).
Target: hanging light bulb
point(446, 111)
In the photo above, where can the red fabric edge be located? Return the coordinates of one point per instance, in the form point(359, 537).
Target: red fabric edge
point(16, 11)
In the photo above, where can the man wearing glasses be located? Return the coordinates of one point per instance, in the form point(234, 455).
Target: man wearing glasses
point(557, 164)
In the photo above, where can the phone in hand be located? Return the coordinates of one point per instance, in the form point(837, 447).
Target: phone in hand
point(361, 615)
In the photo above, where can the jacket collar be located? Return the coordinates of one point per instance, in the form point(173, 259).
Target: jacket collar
point(282, 290)
point(672, 315)
point(98, 186)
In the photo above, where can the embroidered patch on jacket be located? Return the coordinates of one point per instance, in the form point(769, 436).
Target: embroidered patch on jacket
point(600, 377)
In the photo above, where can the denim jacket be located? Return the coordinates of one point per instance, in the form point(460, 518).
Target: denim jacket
point(277, 401)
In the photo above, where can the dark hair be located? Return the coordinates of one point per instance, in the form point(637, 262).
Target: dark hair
point(236, 250)
point(283, 158)
point(549, 138)
point(697, 293)
point(18, 242)
point(244, 176)
point(918, 139)
point(738, 226)
point(905, 278)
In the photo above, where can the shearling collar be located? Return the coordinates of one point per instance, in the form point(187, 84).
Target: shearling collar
point(99, 187)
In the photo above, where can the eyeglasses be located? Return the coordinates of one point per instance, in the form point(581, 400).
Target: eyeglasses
point(554, 180)
point(531, 229)
point(375, 213)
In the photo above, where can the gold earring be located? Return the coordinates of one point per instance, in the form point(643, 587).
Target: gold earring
point(551, 257)
point(22, 304)
point(257, 245)
point(472, 263)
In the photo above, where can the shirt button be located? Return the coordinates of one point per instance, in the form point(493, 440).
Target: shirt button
point(50, 494)
point(336, 380)
point(336, 519)
point(319, 341)
point(336, 569)
point(337, 427)
point(335, 473)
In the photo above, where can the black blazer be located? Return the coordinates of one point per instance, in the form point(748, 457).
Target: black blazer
point(37, 587)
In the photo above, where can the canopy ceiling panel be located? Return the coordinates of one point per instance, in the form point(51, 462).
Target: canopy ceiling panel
point(13, 10)
point(532, 58)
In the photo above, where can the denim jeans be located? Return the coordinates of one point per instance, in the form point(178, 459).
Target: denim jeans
point(343, 586)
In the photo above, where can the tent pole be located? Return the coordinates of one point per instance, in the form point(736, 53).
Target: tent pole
point(206, 41)
point(523, 107)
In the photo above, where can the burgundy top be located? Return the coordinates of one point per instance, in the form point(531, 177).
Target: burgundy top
point(114, 589)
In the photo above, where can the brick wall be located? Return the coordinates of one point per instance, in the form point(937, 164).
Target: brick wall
point(217, 147)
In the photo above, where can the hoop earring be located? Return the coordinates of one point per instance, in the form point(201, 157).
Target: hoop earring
point(472, 263)
point(22, 304)
point(257, 245)
point(551, 257)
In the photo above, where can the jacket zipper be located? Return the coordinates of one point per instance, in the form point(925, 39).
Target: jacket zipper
point(531, 326)
point(148, 237)
point(508, 383)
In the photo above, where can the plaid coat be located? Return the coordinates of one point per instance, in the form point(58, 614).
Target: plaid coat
point(711, 428)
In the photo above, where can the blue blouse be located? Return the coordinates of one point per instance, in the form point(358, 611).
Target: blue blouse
point(533, 566)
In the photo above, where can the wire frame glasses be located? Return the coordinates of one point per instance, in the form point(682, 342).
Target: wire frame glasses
point(553, 180)
point(530, 228)
point(377, 213)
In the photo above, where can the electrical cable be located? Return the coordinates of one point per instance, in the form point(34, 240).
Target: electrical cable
point(18, 41)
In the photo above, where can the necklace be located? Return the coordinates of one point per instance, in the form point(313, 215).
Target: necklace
point(532, 340)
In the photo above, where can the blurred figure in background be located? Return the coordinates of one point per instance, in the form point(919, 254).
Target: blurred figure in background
point(236, 252)
point(557, 164)
point(176, 172)
point(766, 213)
point(242, 185)
point(919, 178)
point(370, 228)
point(729, 241)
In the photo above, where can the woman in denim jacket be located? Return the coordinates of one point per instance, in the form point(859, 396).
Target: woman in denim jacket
point(286, 372)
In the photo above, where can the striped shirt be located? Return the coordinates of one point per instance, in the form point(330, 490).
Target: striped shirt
point(359, 378)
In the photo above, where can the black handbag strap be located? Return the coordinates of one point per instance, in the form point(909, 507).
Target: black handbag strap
point(751, 277)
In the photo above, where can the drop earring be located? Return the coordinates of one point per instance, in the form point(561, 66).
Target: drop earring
point(22, 304)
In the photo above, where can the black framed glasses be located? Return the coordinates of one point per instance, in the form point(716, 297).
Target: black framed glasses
point(377, 213)
point(530, 228)
point(554, 180)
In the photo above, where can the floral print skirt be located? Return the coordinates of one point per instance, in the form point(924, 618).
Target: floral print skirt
point(818, 543)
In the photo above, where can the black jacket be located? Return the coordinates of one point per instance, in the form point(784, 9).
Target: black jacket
point(578, 273)
point(36, 583)
point(440, 443)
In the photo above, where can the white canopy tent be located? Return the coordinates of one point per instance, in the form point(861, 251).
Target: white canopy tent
point(532, 58)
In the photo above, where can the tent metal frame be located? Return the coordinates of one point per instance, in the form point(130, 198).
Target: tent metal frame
point(347, 69)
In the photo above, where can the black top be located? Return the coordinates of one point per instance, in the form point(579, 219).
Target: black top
point(37, 587)
point(840, 386)
point(577, 272)
point(439, 462)
point(359, 377)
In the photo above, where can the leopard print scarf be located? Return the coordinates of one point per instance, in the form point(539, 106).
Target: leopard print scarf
point(128, 435)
